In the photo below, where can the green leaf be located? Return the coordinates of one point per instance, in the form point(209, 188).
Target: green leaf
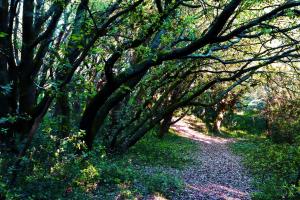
point(3, 34)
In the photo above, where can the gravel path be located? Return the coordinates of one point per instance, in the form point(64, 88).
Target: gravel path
point(220, 174)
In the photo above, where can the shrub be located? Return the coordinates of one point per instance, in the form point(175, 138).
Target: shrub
point(54, 169)
point(284, 122)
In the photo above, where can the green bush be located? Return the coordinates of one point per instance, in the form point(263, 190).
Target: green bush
point(244, 124)
point(54, 169)
point(284, 122)
point(285, 131)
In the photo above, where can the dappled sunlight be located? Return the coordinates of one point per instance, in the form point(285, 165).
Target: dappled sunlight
point(89, 91)
point(220, 174)
point(219, 191)
point(157, 197)
point(183, 128)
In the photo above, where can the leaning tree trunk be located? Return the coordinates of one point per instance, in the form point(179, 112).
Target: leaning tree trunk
point(167, 120)
point(224, 106)
point(92, 119)
point(165, 125)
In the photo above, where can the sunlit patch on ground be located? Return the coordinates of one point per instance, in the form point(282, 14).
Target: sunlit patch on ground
point(157, 197)
point(220, 174)
point(183, 128)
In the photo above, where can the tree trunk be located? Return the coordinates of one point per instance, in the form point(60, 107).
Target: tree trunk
point(27, 86)
point(62, 111)
point(218, 122)
point(93, 119)
point(111, 136)
point(4, 77)
point(165, 125)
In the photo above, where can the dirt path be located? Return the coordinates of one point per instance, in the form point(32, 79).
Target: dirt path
point(220, 175)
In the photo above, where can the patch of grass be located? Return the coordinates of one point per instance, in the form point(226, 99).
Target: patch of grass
point(163, 183)
point(273, 166)
point(171, 151)
point(129, 173)
point(129, 181)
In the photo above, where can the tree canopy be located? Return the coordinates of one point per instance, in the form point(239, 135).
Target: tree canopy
point(114, 69)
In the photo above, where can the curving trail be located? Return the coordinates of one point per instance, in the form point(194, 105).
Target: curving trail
point(220, 174)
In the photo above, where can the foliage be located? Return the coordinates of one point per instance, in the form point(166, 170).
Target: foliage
point(164, 183)
point(244, 124)
point(266, 127)
point(90, 56)
point(169, 152)
point(68, 175)
point(80, 78)
point(285, 122)
point(274, 166)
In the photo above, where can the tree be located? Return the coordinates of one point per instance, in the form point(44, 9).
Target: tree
point(211, 37)
point(120, 43)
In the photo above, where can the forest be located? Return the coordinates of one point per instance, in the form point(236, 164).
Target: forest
point(150, 99)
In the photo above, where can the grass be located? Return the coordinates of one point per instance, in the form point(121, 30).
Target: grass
point(130, 172)
point(274, 167)
point(147, 168)
point(171, 151)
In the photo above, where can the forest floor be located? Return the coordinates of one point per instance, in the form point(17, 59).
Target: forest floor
point(219, 173)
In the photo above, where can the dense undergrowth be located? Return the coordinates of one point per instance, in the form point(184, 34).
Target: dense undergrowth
point(274, 166)
point(65, 175)
point(247, 124)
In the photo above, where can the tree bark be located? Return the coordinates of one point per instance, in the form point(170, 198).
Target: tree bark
point(4, 80)
point(218, 122)
point(165, 125)
point(62, 111)
point(93, 119)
